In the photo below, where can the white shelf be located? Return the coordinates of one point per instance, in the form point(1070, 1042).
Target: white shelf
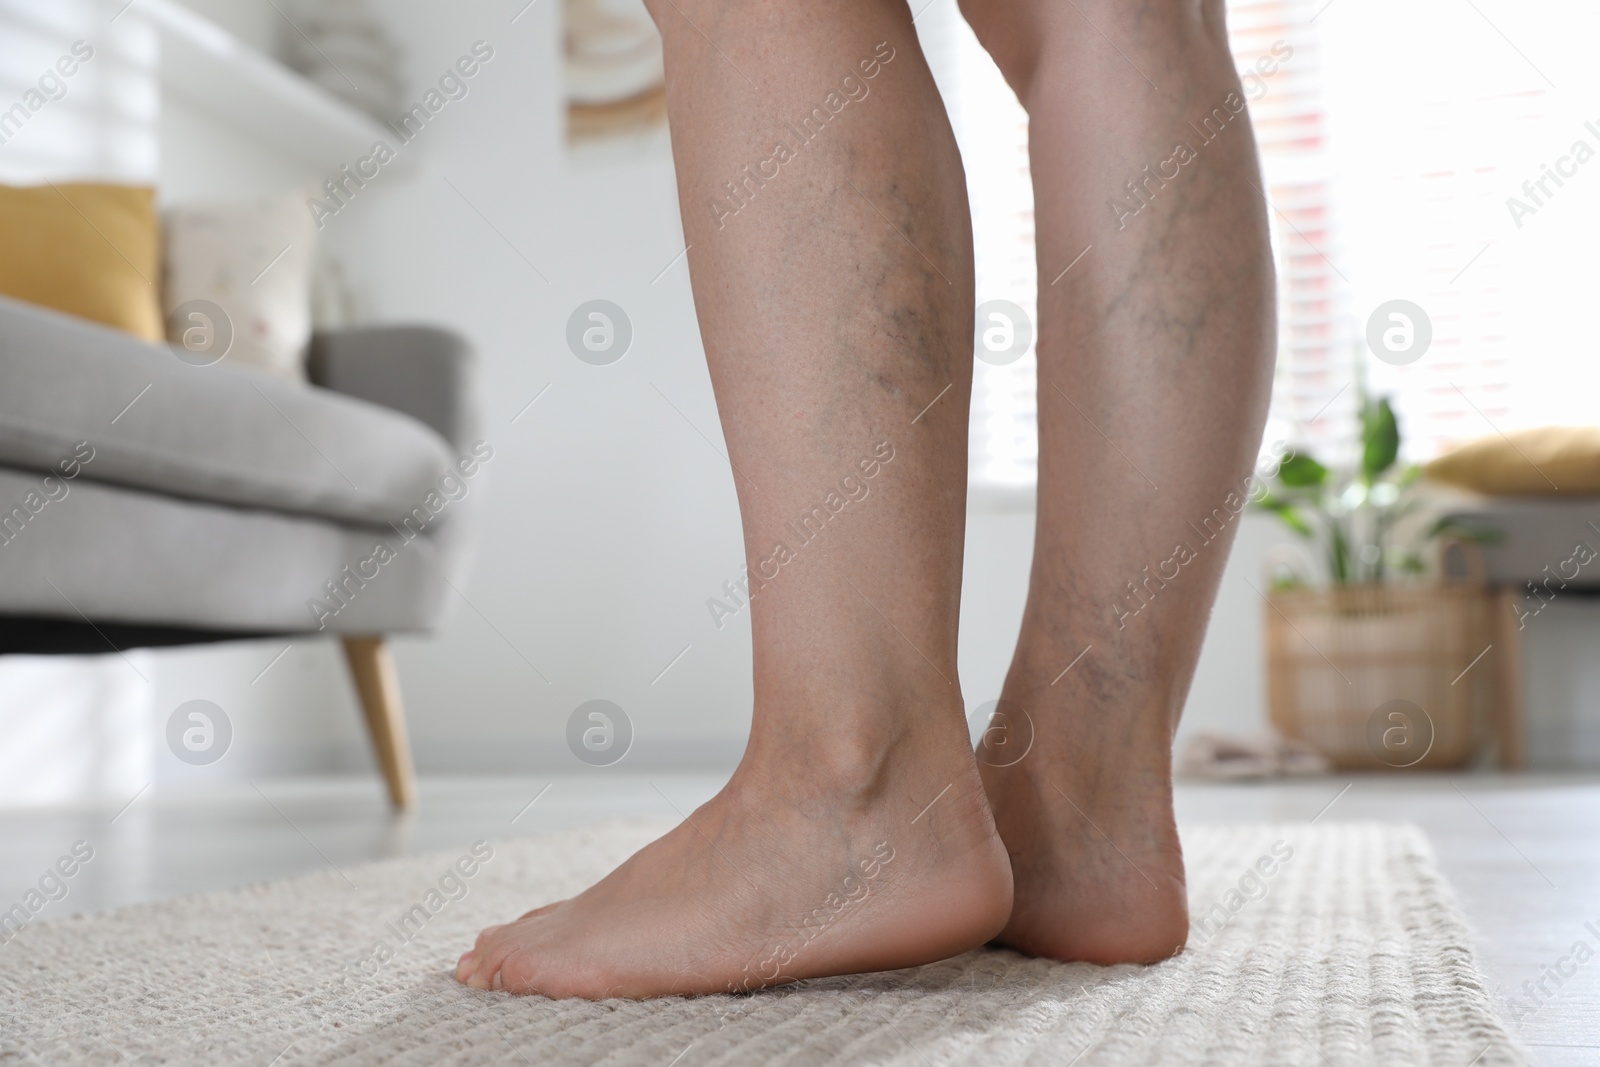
point(256, 95)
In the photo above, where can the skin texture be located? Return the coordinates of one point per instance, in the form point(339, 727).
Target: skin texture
point(835, 306)
point(1155, 362)
point(835, 298)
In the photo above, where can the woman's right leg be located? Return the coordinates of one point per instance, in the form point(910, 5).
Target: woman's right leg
point(833, 282)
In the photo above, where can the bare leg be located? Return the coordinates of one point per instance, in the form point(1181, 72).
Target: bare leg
point(1155, 355)
point(834, 291)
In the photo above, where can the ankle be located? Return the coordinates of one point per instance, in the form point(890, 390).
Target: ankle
point(1094, 714)
point(857, 751)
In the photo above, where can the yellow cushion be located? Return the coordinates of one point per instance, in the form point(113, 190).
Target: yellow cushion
point(86, 248)
point(1549, 461)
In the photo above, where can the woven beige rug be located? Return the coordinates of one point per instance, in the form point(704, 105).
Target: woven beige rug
point(1322, 946)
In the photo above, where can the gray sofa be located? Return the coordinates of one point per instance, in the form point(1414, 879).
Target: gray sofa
point(148, 501)
point(1544, 548)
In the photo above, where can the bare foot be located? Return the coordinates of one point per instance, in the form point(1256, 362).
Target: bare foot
point(801, 867)
point(1087, 819)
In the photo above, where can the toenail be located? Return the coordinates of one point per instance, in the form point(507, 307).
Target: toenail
point(465, 966)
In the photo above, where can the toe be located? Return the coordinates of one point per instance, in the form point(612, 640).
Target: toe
point(526, 971)
point(483, 977)
point(472, 960)
point(479, 968)
point(490, 954)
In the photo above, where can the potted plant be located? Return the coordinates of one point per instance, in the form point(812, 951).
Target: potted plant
point(1363, 664)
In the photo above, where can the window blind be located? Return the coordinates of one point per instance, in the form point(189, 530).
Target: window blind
point(1389, 170)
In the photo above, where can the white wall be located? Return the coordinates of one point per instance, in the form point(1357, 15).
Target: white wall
point(610, 520)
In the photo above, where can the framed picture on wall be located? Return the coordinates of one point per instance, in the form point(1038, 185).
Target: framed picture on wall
point(614, 83)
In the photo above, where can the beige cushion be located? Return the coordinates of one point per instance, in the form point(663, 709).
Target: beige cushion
point(1548, 461)
point(253, 259)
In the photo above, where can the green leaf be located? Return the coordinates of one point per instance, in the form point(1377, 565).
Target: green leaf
point(1380, 438)
point(1481, 535)
point(1289, 514)
point(1338, 552)
point(1300, 470)
point(1267, 502)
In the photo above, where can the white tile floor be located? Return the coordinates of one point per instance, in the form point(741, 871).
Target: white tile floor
point(1523, 853)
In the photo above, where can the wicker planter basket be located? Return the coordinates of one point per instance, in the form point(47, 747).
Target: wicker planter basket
point(1372, 675)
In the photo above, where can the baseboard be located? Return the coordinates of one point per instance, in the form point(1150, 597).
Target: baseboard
point(485, 755)
point(718, 753)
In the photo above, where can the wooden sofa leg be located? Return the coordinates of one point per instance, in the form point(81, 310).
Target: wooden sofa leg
point(1512, 691)
point(372, 667)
